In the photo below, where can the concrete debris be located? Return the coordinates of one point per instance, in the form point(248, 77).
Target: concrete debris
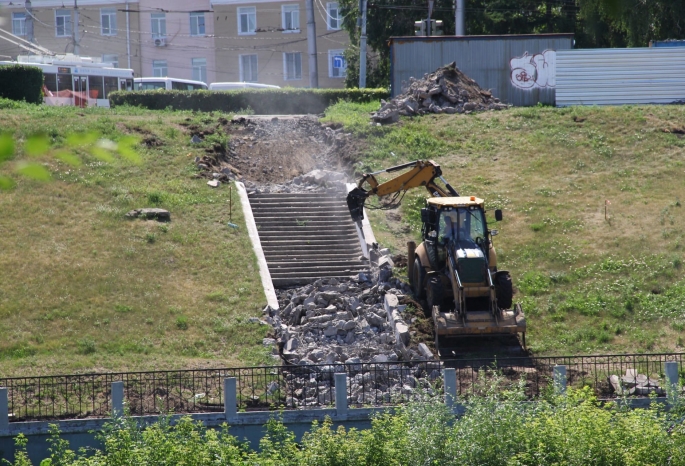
point(633, 383)
point(213, 183)
point(446, 90)
point(316, 181)
point(347, 321)
point(160, 215)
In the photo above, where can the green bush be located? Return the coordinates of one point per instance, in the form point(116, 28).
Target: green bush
point(262, 101)
point(498, 428)
point(21, 82)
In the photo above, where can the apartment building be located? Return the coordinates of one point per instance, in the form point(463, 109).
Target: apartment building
point(205, 40)
point(106, 29)
point(177, 39)
point(266, 42)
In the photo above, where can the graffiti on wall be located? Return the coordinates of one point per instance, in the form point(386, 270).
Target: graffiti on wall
point(534, 71)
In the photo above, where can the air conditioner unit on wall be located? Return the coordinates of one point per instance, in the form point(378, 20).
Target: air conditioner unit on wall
point(160, 42)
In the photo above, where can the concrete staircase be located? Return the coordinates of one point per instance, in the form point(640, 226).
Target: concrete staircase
point(306, 237)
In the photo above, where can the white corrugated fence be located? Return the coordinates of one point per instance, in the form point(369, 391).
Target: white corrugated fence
point(620, 76)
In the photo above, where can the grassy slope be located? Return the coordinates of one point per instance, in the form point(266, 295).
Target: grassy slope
point(587, 284)
point(82, 288)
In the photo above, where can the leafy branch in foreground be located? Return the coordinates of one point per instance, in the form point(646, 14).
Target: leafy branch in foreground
point(39, 145)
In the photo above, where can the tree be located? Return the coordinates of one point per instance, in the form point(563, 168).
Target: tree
point(388, 18)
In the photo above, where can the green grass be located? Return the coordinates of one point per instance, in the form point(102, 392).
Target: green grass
point(82, 288)
point(587, 284)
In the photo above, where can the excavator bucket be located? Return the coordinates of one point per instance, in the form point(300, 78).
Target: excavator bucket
point(355, 202)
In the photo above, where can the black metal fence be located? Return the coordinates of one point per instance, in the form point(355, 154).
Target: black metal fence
point(310, 386)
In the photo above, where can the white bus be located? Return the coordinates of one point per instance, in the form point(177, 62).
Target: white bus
point(151, 84)
point(77, 81)
point(240, 85)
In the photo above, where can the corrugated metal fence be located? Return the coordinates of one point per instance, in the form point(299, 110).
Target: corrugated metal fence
point(620, 76)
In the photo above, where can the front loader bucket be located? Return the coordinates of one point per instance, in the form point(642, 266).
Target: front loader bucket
point(478, 323)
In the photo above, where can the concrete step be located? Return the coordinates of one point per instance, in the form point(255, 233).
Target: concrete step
point(277, 256)
point(298, 230)
point(297, 196)
point(315, 274)
point(315, 265)
point(292, 212)
point(299, 281)
point(265, 222)
point(333, 243)
point(308, 233)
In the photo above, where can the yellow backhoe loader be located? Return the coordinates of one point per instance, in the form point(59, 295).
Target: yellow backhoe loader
point(455, 267)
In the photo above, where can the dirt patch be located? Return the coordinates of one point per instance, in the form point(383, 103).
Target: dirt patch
point(275, 150)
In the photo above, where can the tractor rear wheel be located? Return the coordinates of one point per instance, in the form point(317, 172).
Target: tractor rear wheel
point(418, 278)
point(505, 290)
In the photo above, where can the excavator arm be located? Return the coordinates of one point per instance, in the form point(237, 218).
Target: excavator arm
point(421, 173)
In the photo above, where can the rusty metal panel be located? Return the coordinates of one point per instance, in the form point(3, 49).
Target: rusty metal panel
point(620, 76)
point(519, 69)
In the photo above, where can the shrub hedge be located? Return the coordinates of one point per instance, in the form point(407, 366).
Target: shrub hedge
point(261, 101)
point(21, 82)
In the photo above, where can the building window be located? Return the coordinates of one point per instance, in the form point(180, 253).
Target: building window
point(292, 66)
point(108, 21)
point(248, 68)
point(158, 25)
point(197, 23)
point(110, 58)
point(159, 68)
point(247, 20)
point(291, 18)
point(333, 16)
point(337, 65)
point(199, 69)
point(63, 23)
point(19, 24)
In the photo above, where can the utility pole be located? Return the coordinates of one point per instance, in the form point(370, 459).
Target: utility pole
point(29, 22)
point(128, 36)
point(429, 24)
point(362, 47)
point(459, 17)
point(311, 46)
point(74, 30)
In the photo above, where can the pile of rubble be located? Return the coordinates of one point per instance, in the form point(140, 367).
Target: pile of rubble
point(333, 322)
point(316, 181)
point(447, 90)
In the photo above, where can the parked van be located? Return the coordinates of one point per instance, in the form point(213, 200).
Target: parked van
point(149, 84)
point(232, 86)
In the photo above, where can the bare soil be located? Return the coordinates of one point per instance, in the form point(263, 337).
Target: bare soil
point(276, 150)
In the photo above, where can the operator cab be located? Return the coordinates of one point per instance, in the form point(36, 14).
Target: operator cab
point(461, 221)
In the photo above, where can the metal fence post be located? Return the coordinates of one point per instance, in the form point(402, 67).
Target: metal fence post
point(4, 410)
point(559, 379)
point(672, 376)
point(450, 379)
point(341, 394)
point(230, 398)
point(117, 399)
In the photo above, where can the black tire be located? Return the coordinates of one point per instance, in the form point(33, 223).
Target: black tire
point(434, 294)
point(418, 279)
point(505, 290)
